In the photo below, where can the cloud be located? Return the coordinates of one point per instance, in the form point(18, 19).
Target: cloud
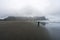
point(48, 8)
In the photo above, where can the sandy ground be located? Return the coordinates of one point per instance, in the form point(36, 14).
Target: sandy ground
point(22, 31)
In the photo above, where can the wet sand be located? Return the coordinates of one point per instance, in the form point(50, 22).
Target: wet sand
point(22, 31)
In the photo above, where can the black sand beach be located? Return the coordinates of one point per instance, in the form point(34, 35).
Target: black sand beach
point(22, 31)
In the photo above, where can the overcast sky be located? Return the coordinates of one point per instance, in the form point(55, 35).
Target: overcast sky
point(48, 8)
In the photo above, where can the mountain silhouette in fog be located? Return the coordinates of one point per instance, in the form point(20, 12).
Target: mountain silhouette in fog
point(12, 18)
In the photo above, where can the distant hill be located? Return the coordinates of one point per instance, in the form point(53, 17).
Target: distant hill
point(40, 18)
point(12, 18)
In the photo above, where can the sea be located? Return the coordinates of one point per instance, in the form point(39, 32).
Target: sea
point(54, 30)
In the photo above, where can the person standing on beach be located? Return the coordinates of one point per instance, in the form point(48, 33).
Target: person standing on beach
point(38, 24)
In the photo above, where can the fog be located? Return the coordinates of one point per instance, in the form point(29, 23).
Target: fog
point(48, 8)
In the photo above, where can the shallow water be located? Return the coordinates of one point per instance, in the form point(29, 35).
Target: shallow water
point(54, 30)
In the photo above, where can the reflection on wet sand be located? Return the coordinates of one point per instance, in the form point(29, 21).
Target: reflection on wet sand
point(22, 31)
